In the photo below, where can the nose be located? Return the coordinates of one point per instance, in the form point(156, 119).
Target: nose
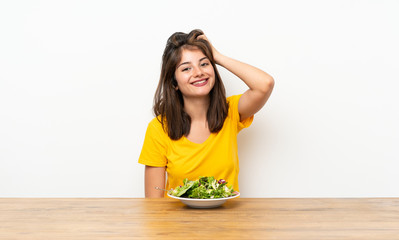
point(197, 72)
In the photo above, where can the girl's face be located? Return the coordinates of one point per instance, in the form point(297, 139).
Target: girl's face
point(194, 74)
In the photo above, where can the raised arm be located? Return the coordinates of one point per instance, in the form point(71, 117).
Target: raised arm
point(260, 83)
point(154, 177)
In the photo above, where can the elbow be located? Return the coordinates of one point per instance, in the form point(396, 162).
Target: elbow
point(268, 85)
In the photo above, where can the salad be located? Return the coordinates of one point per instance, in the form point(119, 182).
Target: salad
point(204, 187)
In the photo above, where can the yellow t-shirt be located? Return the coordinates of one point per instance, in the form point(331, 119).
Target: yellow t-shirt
point(216, 157)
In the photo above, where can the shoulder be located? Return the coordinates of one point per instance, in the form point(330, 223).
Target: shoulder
point(155, 126)
point(235, 115)
point(155, 122)
point(233, 101)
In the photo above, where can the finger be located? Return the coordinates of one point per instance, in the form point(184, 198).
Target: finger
point(202, 36)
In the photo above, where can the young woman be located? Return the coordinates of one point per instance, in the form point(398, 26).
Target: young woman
point(195, 130)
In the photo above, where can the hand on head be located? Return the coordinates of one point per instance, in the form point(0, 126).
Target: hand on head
point(215, 53)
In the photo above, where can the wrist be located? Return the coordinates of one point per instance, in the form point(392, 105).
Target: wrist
point(221, 59)
point(218, 57)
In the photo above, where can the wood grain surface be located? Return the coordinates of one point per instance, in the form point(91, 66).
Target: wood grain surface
point(243, 218)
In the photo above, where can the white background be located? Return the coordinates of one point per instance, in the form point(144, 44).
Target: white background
point(77, 80)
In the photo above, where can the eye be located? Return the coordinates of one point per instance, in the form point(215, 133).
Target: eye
point(205, 64)
point(185, 69)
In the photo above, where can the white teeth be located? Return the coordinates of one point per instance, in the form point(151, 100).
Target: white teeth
point(199, 82)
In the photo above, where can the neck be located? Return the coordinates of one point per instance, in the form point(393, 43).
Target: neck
point(197, 108)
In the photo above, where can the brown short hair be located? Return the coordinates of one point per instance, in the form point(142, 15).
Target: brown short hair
point(168, 102)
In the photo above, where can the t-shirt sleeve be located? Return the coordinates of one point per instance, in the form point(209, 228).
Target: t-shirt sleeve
point(235, 115)
point(153, 152)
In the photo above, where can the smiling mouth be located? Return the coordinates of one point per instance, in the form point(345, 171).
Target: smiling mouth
point(200, 83)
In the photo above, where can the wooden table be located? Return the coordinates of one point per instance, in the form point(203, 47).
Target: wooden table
point(243, 218)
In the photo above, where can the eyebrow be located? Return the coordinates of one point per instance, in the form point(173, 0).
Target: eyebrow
point(190, 62)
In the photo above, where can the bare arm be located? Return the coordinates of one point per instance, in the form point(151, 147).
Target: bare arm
point(259, 82)
point(260, 85)
point(154, 177)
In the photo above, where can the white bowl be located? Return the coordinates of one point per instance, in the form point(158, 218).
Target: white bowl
point(203, 203)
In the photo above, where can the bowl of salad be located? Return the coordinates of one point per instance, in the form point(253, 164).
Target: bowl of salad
point(205, 192)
